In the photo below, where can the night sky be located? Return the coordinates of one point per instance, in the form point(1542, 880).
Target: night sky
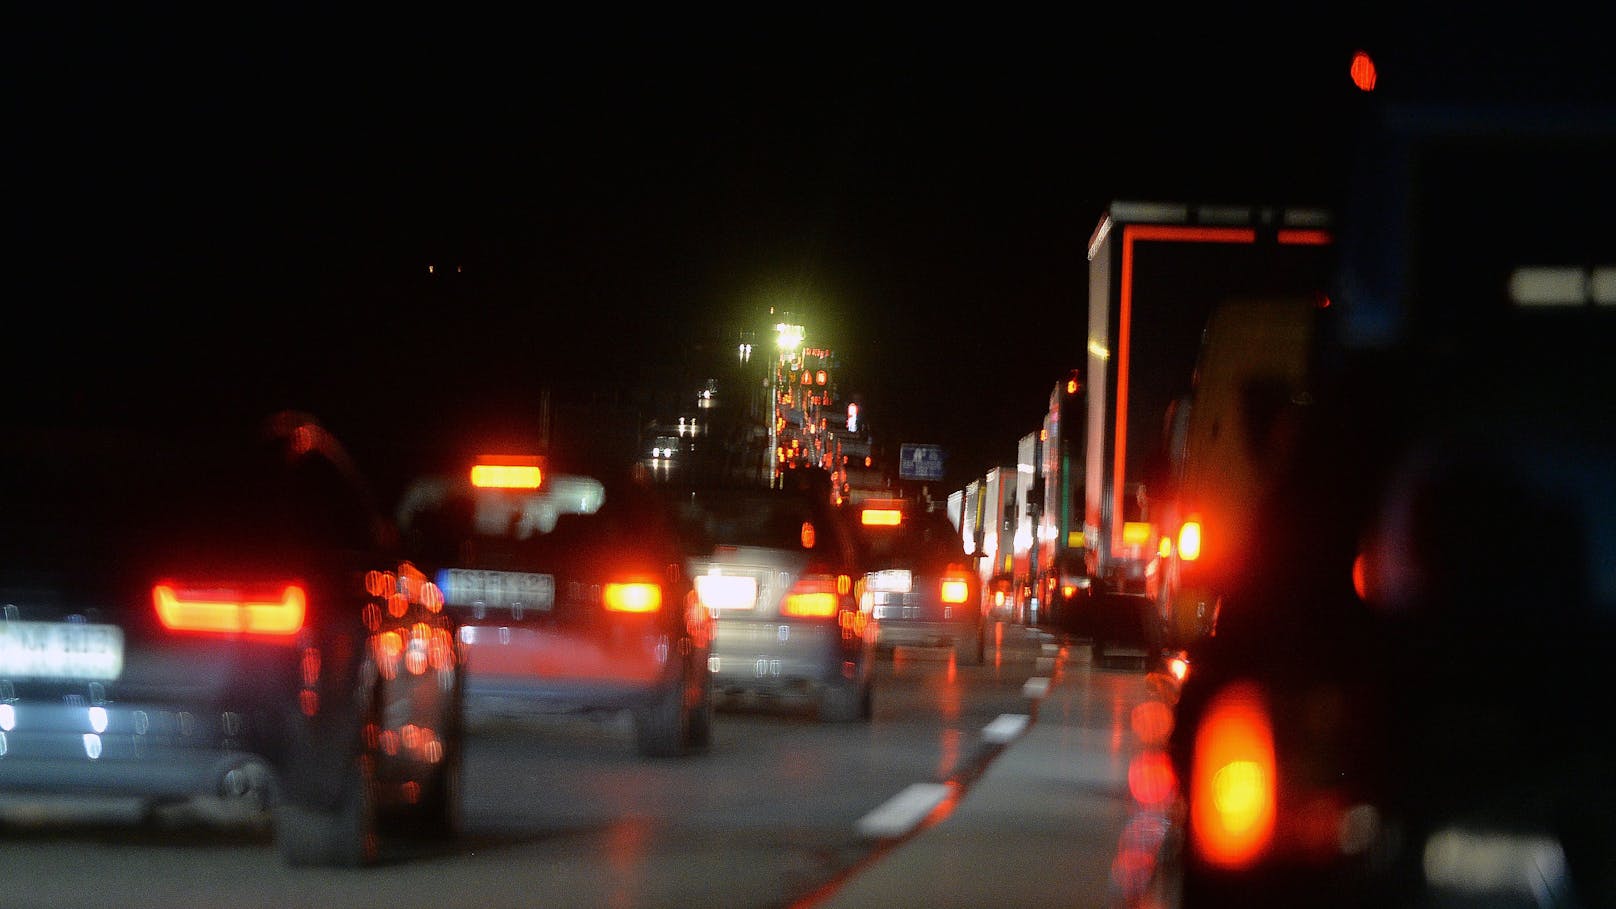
point(222, 214)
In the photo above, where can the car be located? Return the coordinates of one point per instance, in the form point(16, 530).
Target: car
point(780, 571)
point(222, 616)
point(921, 590)
point(571, 594)
point(1403, 701)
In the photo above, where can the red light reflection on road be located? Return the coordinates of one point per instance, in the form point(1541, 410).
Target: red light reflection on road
point(627, 853)
point(948, 759)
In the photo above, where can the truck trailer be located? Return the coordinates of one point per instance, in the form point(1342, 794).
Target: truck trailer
point(1157, 272)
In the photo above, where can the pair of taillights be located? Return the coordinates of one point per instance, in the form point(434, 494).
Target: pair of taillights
point(814, 596)
point(280, 612)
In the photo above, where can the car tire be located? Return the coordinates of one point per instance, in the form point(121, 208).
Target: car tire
point(670, 726)
point(971, 650)
point(439, 816)
point(345, 836)
point(699, 735)
point(845, 702)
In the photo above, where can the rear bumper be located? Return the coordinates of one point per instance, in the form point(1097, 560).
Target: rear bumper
point(137, 751)
point(899, 633)
point(527, 696)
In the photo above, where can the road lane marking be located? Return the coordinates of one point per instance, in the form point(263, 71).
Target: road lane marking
point(901, 813)
point(1005, 728)
point(1036, 688)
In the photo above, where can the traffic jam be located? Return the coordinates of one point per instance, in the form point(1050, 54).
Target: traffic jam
point(1295, 588)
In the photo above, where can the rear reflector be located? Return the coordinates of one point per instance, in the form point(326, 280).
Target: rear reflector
point(633, 597)
point(230, 611)
point(1232, 802)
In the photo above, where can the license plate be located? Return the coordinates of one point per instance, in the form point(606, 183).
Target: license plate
point(60, 650)
point(892, 580)
point(497, 589)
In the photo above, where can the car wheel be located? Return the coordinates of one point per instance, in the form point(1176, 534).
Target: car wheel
point(699, 734)
point(344, 836)
point(971, 650)
point(845, 702)
point(666, 727)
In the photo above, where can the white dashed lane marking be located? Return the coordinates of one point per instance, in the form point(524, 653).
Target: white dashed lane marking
point(901, 813)
point(1006, 728)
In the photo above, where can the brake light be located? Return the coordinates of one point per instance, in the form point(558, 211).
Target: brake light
point(228, 610)
point(1232, 805)
point(1189, 540)
point(881, 517)
point(635, 596)
point(813, 598)
point(955, 590)
point(507, 472)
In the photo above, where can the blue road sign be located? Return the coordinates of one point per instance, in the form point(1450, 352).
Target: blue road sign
point(920, 462)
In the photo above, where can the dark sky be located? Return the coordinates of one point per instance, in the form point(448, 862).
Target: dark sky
point(238, 211)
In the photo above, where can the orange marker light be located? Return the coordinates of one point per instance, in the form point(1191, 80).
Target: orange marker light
point(229, 611)
point(632, 597)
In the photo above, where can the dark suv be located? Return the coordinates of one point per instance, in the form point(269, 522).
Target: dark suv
point(206, 616)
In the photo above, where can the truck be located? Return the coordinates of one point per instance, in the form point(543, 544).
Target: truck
point(1157, 272)
point(1230, 436)
point(1061, 580)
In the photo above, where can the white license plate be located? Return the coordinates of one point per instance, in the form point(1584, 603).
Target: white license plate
point(60, 650)
point(497, 589)
point(892, 580)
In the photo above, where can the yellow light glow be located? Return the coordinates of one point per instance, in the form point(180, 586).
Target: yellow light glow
point(955, 590)
point(1136, 533)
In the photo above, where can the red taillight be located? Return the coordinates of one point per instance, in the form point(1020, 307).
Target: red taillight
point(1189, 540)
point(229, 610)
point(634, 596)
point(812, 598)
point(507, 472)
point(1232, 803)
point(956, 590)
point(881, 517)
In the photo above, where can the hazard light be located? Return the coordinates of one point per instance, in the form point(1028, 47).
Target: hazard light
point(507, 472)
point(275, 611)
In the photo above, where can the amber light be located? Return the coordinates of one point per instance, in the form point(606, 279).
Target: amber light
point(1136, 533)
point(1189, 540)
point(955, 590)
point(507, 472)
point(1232, 806)
point(633, 597)
point(229, 611)
point(881, 517)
